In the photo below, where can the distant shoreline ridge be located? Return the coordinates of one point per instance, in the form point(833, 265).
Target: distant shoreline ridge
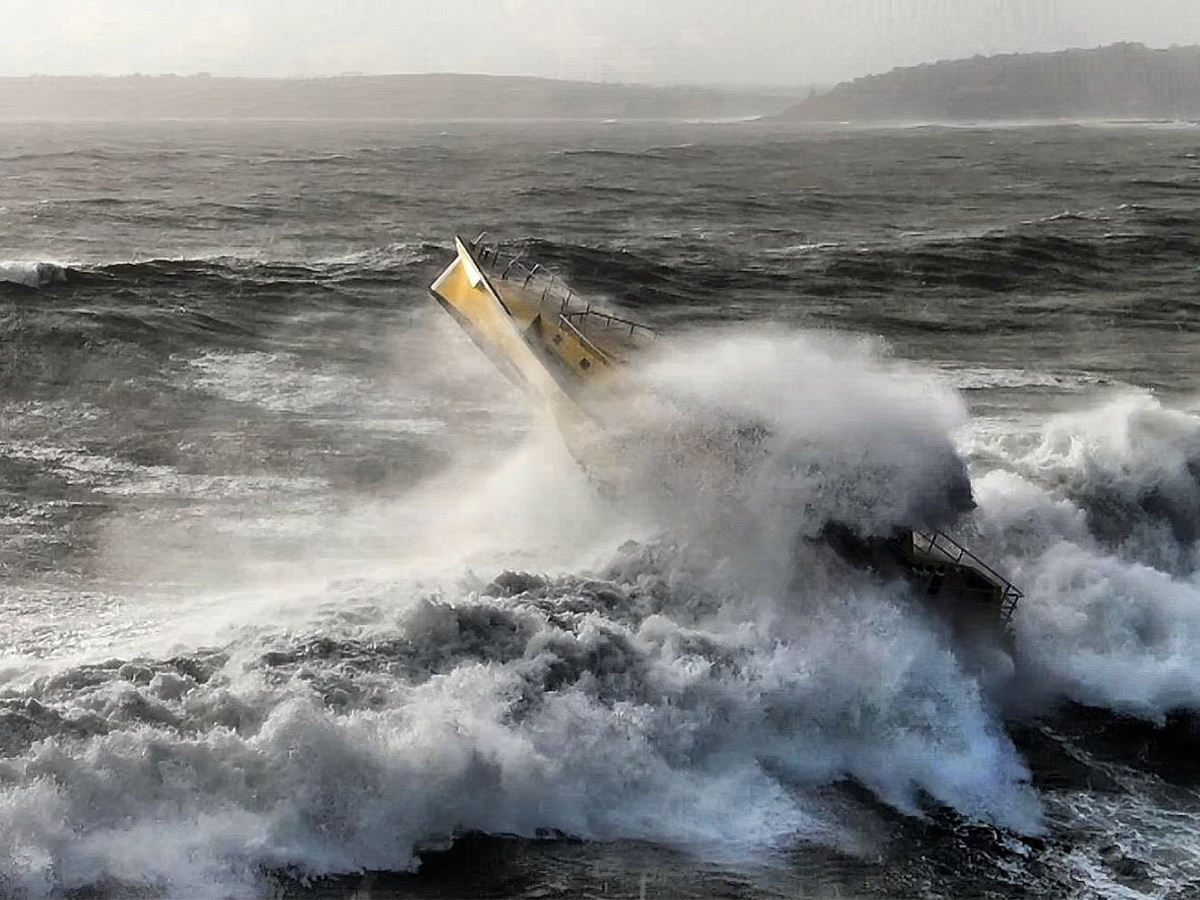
point(1124, 81)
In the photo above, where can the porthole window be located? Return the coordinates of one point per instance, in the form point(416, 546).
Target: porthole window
point(585, 364)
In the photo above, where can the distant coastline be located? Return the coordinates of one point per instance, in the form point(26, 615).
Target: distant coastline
point(427, 97)
point(1117, 82)
point(1120, 82)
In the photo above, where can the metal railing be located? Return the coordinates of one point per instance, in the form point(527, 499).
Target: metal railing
point(553, 289)
point(939, 543)
point(609, 320)
point(583, 339)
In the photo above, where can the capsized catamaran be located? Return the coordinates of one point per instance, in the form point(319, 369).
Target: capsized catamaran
point(563, 351)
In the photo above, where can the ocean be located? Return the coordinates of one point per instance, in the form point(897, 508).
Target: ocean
point(301, 598)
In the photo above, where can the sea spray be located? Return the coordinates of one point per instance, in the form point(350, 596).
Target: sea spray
point(756, 441)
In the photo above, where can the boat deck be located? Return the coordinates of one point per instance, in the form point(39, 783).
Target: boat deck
point(530, 292)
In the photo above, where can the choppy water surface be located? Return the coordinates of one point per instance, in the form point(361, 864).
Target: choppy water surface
point(300, 598)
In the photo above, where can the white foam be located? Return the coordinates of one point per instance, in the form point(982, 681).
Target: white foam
point(32, 273)
point(648, 733)
point(1096, 529)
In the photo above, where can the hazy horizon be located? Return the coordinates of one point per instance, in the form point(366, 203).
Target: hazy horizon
point(686, 42)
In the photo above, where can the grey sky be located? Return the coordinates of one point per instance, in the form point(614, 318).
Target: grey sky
point(681, 41)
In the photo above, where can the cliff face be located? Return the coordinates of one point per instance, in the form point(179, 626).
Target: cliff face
point(368, 97)
point(1118, 81)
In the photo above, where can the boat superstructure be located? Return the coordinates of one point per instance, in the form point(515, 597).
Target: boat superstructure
point(562, 350)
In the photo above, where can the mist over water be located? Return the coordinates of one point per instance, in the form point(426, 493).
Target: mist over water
point(297, 587)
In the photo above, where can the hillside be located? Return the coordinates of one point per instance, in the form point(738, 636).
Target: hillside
point(368, 97)
point(1121, 81)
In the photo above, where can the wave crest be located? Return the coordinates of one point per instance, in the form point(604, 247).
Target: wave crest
point(32, 274)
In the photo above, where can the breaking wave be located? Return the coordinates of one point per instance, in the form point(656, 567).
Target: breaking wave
point(701, 686)
point(1099, 515)
point(32, 274)
point(536, 703)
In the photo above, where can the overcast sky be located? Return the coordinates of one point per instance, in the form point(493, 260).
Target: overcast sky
point(665, 41)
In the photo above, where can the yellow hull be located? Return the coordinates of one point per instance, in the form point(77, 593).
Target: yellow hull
point(526, 323)
point(467, 293)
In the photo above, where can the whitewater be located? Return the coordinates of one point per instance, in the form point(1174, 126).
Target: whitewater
point(303, 599)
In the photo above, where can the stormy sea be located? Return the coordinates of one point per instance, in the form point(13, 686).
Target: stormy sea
point(302, 598)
